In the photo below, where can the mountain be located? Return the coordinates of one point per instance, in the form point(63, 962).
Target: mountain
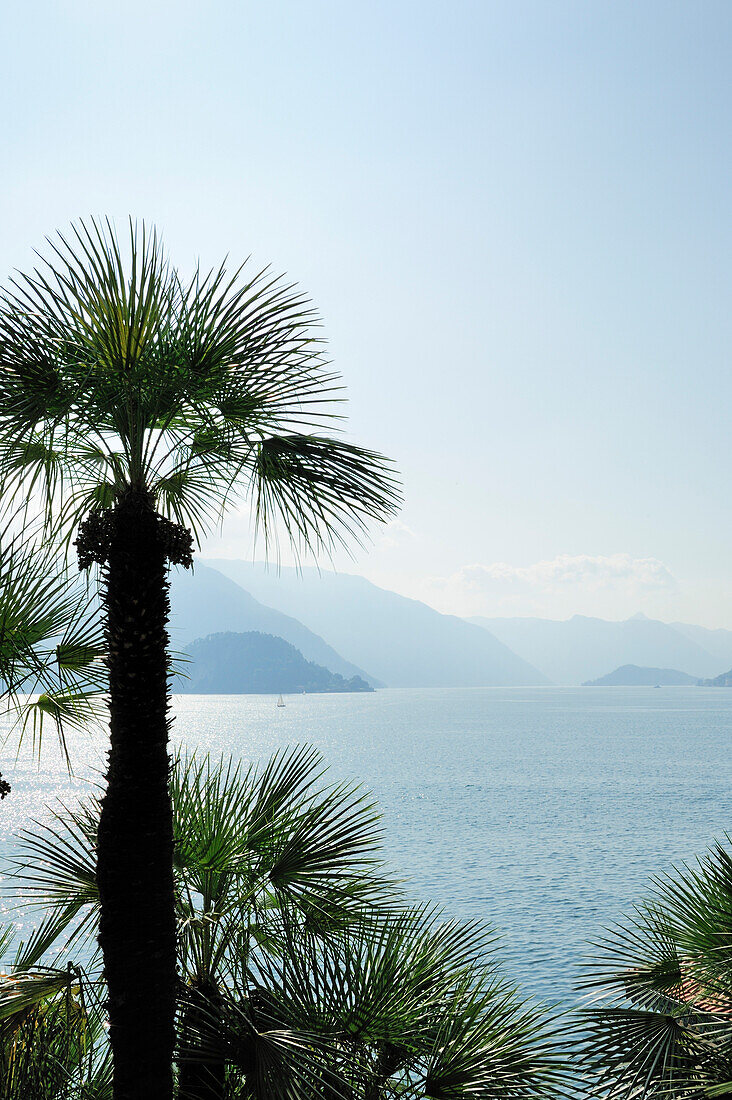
point(716, 642)
point(573, 650)
point(402, 641)
point(204, 602)
point(633, 676)
point(254, 663)
point(723, 681)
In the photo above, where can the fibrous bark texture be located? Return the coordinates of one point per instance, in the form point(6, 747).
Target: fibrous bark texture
point(137, 931)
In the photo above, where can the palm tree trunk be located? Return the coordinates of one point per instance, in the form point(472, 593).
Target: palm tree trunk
point(137, 931)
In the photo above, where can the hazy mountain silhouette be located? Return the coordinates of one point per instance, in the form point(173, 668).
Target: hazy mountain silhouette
point(571, 651)
point(633, 676)
point(206, 602)
point(716, 642)
point(403, 642)
point(254, 663)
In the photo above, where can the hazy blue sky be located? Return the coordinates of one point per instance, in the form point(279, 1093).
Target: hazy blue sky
point(514, 218)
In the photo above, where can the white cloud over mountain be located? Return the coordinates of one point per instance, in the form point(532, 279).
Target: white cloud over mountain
point(584, 583)
point(599, 572)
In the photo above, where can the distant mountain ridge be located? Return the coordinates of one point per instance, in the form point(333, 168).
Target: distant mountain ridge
point(403, 642)
point(204, 601)
point(253, 663)
point(634, 676)
point(571, 651)
point(354, 628)
point(717, 642)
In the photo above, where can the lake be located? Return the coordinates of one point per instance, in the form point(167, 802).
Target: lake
point(541, 810)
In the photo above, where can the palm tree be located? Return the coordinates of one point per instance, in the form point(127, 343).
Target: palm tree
point(303, 970)
point(663, 1027)
point(141, 405)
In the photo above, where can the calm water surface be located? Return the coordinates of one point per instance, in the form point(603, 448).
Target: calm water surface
point(541, 810)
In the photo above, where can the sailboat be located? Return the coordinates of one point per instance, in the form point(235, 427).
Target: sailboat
point(280, 702)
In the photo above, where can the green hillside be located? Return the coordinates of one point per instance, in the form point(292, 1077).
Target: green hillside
point(253, 663)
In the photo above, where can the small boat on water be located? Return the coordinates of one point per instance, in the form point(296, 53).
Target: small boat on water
point(280, 702)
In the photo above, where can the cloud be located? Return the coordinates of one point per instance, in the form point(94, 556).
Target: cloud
point(565, 570)
point(565, 585)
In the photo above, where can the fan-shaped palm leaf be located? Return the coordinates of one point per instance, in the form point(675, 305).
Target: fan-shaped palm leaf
point(664, 1025)
point(489, 1043)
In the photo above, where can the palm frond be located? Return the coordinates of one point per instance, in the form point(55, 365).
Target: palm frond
point(630, 1053)
point(322, 492)
point(55, 872)
point(489, 1043)
point(411, 1003)
point(664, 978)
point(384, 975)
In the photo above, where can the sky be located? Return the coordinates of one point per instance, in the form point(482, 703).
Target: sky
point(513, 218)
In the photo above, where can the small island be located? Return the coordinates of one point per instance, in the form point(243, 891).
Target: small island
point(636, 676)
point(255, 664)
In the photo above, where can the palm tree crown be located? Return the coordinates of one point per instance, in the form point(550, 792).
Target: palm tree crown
point(117, 373)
